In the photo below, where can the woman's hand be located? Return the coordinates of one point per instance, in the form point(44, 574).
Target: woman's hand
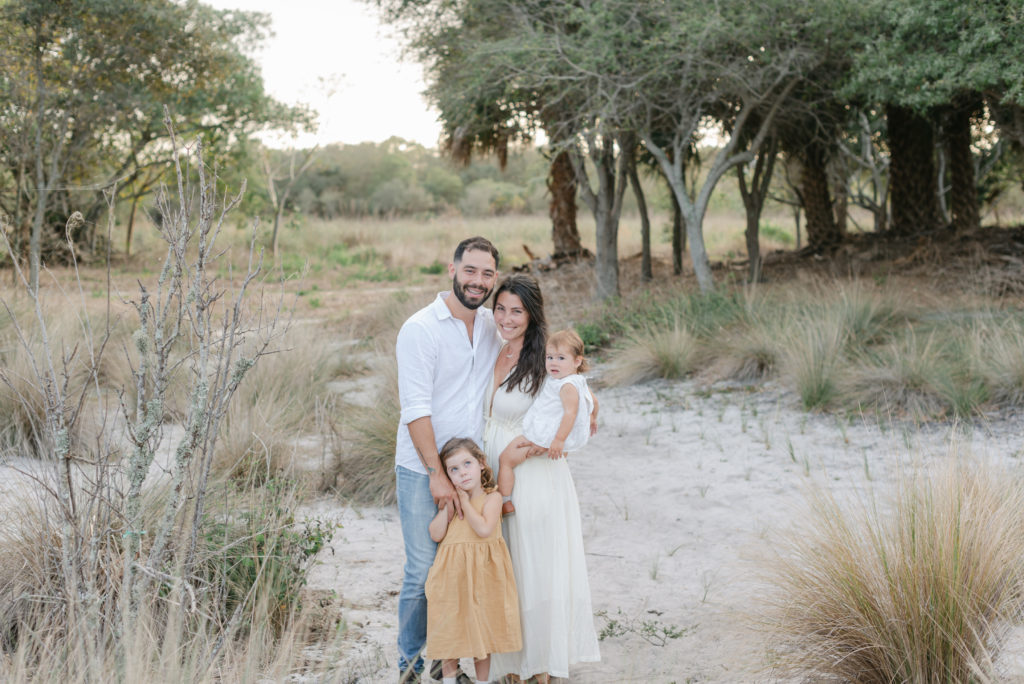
point(535, 450)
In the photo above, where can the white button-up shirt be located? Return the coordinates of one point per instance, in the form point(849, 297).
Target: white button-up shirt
point(444, 376)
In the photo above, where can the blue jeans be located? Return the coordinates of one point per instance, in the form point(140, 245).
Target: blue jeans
point(416, 509)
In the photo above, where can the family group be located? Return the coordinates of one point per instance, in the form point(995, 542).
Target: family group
point(491, 405)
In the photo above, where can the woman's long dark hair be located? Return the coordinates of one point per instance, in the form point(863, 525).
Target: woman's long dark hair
point(529, 373)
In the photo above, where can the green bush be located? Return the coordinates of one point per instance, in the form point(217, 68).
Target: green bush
point(260, 552)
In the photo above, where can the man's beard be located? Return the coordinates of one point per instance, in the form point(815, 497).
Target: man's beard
point(460, 294)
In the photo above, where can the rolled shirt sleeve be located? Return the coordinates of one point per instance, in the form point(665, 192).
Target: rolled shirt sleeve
point(416, 352)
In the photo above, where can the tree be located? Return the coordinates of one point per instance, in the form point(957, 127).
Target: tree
point(753, 196)
point(281, 178)
point(699, 64)
point(930, 63)
point(81, 97)
point(484, 108)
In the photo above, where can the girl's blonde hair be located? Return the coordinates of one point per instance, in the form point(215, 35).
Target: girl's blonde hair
point(457, 443)
point(571, 341)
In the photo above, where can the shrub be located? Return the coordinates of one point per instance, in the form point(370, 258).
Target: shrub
point(913, 588)
point(654, 353)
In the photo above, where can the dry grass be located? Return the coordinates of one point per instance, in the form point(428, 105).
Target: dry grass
point(252, 555)
point(652, 353)
point(996, 349)
point(915, 587)
point(276, 404)
point(368, 434)
point(907, 378)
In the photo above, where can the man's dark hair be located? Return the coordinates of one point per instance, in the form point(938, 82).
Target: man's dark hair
point(470, 244)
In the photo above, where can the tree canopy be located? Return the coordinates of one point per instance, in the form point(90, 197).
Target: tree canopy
point(83, 86)
point(924, 74)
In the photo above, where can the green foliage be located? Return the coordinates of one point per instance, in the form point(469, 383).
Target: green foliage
point(594, 336)
point(260, 551)
point(771, 231)
point(923, 53)
point(96, 94)
point(400, 178)
point(435, 268)
point(653, 631)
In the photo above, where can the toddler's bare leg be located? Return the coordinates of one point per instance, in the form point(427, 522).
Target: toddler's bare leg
point(449, 667)
point(483, 669)
point(511, 457)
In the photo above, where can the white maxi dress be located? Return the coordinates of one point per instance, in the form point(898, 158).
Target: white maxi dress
point(545, 540)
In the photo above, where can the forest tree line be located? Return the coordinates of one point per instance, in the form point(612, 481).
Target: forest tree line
point(909, 108)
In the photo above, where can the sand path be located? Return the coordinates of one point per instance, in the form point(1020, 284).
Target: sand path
point(679, 493)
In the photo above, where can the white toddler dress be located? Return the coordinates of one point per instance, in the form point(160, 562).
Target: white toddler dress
point(542, 420)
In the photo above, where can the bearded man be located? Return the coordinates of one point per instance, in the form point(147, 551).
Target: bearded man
point(446, 353)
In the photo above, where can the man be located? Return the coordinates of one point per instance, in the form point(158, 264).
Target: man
point(446, 354)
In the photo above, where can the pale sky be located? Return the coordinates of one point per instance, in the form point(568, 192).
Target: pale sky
point(321, 45)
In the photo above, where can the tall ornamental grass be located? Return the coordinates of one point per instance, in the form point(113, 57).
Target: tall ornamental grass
point(918, 586)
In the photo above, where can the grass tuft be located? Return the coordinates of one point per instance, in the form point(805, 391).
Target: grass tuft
point(654, 353)
point(814, 355)
point(915, 588)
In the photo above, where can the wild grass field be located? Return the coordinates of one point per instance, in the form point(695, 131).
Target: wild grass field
point(282, 394)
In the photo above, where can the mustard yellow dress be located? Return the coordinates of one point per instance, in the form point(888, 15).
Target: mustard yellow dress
point(472, 605)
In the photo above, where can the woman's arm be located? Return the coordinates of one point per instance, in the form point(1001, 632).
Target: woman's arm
point(483, 523)
point(439, 525)
point(593, 416)
point(570, 397)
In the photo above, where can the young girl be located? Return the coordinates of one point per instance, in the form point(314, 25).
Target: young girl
point(472, 606)
point(560, 419)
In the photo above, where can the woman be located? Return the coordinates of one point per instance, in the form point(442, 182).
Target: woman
point(544, 535)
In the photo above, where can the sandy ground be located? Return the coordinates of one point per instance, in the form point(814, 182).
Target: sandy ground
point(680, 492)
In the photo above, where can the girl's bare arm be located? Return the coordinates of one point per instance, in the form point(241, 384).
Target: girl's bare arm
point(439, 525)
point(484, 523)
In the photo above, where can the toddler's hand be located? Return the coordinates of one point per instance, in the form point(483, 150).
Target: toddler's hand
point(555, 450)
point(463, 496)
point(593, 423)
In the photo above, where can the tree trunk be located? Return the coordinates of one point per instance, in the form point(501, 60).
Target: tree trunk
point(822, 232)
point(915, 205)
point(131, 227)
point(966, 217)
point(606, 203)
point(841, 202)
point(565, 236)
point(678, 236)
point(646, 273)
point(753, 203)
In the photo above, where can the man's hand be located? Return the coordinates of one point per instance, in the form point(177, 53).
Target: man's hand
point(443, 492)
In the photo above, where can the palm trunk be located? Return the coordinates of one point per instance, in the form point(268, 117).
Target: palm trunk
point(915, 205)
point(822, 232)
point(966, 217)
